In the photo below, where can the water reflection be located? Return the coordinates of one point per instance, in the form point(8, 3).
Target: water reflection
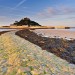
point(6, 29)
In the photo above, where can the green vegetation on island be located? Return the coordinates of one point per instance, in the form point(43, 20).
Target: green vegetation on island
point(26, 21)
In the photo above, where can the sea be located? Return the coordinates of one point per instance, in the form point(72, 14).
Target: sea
point(6, 30)
point(56, 33)
point(72, 29)
point(53, 33)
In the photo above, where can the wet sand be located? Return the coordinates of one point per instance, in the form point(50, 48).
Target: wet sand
point(2, 32)
point(56, 33)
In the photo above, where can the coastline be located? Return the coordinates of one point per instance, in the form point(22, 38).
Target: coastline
point(57, 33)
point(20, 56)
point(2, 32)
point(68, 34)
point(58, 46)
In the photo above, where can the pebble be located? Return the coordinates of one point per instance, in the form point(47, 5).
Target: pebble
point(29, 59)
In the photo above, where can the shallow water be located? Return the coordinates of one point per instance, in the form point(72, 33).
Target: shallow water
point(73, 29)
point(58, 33)
point(6, 29)
point(66, 29)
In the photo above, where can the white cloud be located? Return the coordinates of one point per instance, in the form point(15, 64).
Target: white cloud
point(52, 12)
point(20, 3)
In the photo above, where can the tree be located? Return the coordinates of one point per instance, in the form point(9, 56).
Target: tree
point(26, 21)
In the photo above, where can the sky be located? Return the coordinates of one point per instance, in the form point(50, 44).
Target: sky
point(45, 12)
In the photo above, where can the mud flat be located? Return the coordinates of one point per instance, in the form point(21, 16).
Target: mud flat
point(57, 33)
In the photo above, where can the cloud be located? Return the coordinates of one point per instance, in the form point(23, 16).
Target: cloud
point(52, 12)
point(20, 3)
point(48, 12)
point(67, 10)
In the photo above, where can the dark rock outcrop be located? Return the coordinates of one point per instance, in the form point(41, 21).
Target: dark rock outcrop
point(64, 49)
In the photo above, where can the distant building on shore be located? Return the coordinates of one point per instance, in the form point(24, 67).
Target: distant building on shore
point(67, 27)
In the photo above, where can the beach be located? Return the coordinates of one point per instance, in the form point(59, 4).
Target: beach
point(19, 56)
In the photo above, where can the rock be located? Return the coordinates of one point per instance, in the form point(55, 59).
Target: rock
point(73, 53)
point(30, 58)
point(60, 47)
point(73, 60)
point(35, 72)
point(23, 69)
point(4, 69)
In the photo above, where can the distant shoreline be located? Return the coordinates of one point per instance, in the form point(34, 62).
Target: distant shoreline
point(52, 33)
point(35, 27)
point(19, 55)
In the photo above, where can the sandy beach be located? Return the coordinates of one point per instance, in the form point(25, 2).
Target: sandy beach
point(59, 33)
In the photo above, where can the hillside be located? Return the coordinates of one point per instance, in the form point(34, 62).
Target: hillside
point(27, 22)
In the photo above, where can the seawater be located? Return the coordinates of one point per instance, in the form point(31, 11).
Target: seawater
point(6, 29)
point(66, 29)
point(72, 29)
point(58, 33)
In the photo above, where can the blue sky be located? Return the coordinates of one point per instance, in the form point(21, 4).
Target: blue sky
point(45, 12)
